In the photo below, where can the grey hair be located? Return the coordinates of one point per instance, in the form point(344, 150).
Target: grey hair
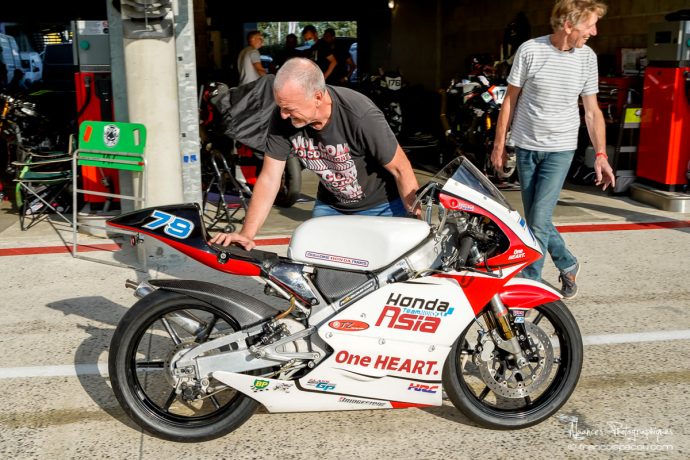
point(575, 11)
point(302, 71)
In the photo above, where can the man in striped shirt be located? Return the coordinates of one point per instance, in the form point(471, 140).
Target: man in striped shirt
point(549, 74)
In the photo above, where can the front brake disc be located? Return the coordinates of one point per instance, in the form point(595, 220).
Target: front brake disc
point(518, 383)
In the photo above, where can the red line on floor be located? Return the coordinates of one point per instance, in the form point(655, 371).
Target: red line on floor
point(57, 249)
point(576, 228)
point(581, 228)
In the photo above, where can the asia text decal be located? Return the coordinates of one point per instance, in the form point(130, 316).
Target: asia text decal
point(393, 318)
point(413, 313)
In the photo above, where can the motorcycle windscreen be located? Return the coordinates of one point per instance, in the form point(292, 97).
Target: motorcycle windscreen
point(463, 171)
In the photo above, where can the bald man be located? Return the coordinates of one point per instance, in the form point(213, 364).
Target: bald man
point(341, 136)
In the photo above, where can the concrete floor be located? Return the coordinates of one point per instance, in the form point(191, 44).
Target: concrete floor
point(58, 315)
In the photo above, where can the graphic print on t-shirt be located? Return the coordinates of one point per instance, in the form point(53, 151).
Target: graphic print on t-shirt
point(333, 164)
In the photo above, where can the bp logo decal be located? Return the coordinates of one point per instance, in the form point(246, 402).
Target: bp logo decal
point(111, 135)
point(260, 385)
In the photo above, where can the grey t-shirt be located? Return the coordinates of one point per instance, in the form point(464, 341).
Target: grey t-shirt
point(348, 153)
point(245, 64)
point(547, 115)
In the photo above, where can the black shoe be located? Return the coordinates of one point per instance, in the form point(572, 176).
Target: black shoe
point(569, 287)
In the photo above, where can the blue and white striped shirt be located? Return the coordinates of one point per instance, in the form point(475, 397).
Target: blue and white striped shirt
point(547, 117)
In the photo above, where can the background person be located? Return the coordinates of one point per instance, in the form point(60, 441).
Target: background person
point(345, 66)
point(288, 51)
point(341, 136)
point(320, 51)
point(249, 60)
point(548, 76)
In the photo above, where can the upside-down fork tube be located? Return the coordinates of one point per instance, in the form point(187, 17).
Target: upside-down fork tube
point(517, 293)
point(500, 313)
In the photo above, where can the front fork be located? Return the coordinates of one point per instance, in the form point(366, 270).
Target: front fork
point(502, 333)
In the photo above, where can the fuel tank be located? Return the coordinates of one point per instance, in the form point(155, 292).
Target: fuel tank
point(357, 243)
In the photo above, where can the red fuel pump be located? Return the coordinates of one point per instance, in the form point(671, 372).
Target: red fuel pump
point(664, 148)
point(94, 100)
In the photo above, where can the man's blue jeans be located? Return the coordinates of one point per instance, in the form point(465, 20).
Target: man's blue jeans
point(392, 208)
point(542, 175)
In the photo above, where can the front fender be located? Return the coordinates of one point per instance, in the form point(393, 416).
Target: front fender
point(524, 293)
point(246, 310)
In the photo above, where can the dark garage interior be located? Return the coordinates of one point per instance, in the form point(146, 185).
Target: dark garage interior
point(431, 44)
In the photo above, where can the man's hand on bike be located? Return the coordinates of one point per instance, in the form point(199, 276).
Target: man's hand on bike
point(226, 239)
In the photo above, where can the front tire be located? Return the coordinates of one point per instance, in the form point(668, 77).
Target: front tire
point(141, 351)
point(494, 393)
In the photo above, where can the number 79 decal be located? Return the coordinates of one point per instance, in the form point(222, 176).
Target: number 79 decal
point(174, 226)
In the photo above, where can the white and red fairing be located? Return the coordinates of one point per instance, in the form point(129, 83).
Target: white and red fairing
point(389, 348)
point(388, 352)
point(523, 249)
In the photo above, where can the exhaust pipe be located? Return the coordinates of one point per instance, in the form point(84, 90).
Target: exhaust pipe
point(187, 321)
point(141, 290)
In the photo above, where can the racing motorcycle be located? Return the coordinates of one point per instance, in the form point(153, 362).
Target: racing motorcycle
point(379, 313)
point(470, 108)
point(27, 125)
point(384, 89)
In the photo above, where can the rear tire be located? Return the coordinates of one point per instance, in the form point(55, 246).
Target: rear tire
point(492, 396)
point(139, 360)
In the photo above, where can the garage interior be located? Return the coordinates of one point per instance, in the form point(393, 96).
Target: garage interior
point(429, 43)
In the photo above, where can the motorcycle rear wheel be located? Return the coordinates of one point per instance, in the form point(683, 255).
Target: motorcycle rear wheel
point(141, 349)
point(494, 404)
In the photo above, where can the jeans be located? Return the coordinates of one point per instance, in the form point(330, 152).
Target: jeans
point(542, 175)
point(391, 208)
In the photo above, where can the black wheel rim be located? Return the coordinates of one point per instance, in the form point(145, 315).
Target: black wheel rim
point(152, 345)
point(485, 399)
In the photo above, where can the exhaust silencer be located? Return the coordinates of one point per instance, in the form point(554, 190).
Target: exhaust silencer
point(187, 321)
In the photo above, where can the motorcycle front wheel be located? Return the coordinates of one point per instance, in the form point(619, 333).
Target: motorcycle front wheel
point(487, 385)
point(156, 329)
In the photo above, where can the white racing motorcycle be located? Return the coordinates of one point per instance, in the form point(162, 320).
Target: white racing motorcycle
point(380, 313)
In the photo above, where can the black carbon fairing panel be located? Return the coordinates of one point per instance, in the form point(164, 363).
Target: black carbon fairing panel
point(334, 284)
point(247, 310)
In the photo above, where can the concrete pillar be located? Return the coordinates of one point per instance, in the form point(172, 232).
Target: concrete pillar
point(152, 99)
point(188, 101)
point(119, 88)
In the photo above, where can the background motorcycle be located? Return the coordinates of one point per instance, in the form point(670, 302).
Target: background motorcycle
point(380, 312)
point(31, 128)
point(26, 127)
point(385, 90)
point(470, 108)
